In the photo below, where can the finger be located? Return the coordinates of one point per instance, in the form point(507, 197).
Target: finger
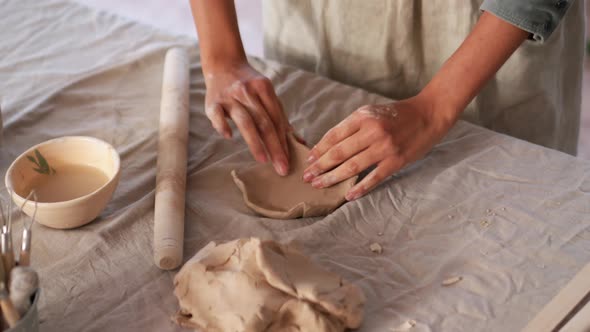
point(269, 136)
point(382, 171)
point(344, 129)
point(271, 101)
point(267, 129)
point(246, 126)
point(216, 115)
point(275, 108)
point(275, 112)
point(338, 154)
point(348, 169)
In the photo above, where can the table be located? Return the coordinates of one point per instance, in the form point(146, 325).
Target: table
point(511, 218)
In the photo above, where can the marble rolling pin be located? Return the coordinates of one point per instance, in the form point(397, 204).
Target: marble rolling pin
point(172, 160)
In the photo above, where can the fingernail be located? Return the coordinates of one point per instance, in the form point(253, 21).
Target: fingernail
point(282, 168)
point(317, 183)
point(310, 159)
point(262, 158)
point(307, 176)
point(352, 195)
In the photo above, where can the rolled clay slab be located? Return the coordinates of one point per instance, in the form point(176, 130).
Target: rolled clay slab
point(249, 285)
point(288, 197)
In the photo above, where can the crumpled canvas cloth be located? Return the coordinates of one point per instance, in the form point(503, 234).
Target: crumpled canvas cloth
point(67, 70)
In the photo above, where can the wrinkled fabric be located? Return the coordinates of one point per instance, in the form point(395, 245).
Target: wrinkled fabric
point(67, 70)
point(394, 48)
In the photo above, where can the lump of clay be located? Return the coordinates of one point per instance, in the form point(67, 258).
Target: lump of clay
point(249, 285)
point(288, 197)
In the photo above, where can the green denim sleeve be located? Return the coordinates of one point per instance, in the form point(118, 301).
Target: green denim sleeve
point(539, 17)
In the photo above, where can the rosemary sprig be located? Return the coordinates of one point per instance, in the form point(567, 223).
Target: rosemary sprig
point(41, 163)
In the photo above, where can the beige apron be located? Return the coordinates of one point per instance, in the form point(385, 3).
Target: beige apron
point(395, 47)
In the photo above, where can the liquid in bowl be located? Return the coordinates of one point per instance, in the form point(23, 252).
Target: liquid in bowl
point(69, 181)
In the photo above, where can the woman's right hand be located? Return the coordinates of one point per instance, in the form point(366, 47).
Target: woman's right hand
point(241, 93)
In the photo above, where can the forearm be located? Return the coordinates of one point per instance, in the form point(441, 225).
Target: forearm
point(219, 36)
point(481, 55)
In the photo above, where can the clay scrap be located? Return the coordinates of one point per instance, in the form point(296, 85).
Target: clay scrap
point(376, 248)
point(405, 326)
point(451, 281)
point(288, 197)
point(249, 285)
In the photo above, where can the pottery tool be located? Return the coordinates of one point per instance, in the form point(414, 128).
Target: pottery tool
point(9, 312)
point(3, 275)
point(24, 258)
point(7, 254)
point(172, 159)
point(6, 248)
point(4, 217)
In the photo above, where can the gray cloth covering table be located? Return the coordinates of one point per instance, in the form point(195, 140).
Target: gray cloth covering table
point(510, 217)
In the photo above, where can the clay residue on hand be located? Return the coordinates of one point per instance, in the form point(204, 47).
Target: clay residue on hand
point(249, 285)
point(376, 248)
point(380, 111)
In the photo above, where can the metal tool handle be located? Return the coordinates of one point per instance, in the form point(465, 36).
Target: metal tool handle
point(7, 254)
point(24, 258)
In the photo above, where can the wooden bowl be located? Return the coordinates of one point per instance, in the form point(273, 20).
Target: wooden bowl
point(74, 178)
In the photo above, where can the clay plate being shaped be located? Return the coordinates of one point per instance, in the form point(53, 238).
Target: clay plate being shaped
point(288, 197)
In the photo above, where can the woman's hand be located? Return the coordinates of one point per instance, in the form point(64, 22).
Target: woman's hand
point(247, 97)
point(234, 89)
point(389, 136)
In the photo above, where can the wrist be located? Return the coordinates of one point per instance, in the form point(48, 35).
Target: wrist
point(216, 63)
point(439, 106)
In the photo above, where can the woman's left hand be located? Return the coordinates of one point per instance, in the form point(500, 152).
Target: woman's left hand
point(389, 136)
